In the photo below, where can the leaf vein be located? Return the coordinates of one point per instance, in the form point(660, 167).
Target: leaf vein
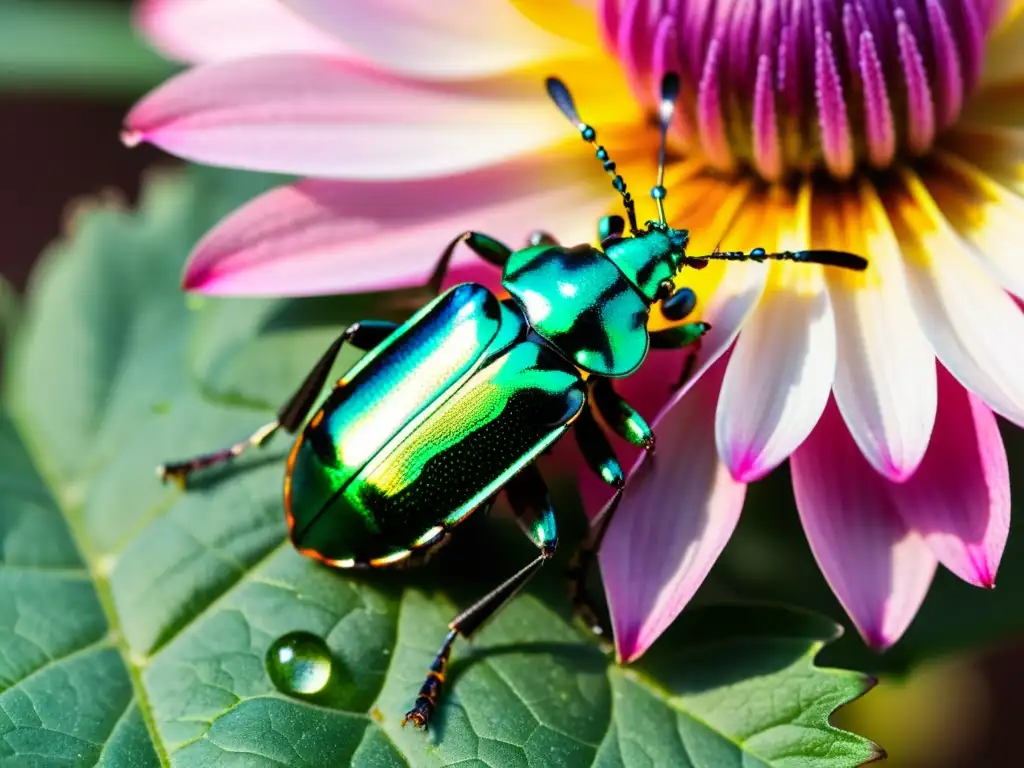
point(117, 724)
point(72, 574)
point(242, 580)
point(101, 644)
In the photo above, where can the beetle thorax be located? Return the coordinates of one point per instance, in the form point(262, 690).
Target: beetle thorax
point(578, 301)
point(650, 257)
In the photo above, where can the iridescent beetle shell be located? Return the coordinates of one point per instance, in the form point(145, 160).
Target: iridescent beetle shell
point(424, 429)
point(650, 258)
point(437, 418)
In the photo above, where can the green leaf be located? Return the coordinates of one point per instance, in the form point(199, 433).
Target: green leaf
point(135, 618)
point(76, 46)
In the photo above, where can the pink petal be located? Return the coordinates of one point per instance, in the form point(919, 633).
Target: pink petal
point(959, 499)
point(676, 515)
point(470, 269)
point(450, 39)
point(322, 237)
point(778, 380)
point(212, 30)
point(609, 15)
point(877, 566)
point(320, 117)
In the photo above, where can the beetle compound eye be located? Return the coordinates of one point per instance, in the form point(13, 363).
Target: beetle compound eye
point(679, 305)
point(609, 227)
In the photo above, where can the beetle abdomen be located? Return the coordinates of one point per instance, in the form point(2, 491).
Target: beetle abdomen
point(445, 463)
point(388, 387)
point(461, 453)
point(311, 488)
point(488, 411)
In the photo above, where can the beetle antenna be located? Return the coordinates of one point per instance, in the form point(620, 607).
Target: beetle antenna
point(559, 94)
point(666, 108)
point(828, 258)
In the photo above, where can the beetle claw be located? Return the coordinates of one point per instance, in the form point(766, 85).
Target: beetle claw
point(417, 716)
point(173, 472)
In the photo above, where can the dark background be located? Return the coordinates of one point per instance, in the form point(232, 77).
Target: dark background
point(59, 142)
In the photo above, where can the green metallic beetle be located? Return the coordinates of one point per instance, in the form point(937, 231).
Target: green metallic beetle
point(453, 406)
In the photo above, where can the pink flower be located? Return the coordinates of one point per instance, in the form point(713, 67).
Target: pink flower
point(892, 129)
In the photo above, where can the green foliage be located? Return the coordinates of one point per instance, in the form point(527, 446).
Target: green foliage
point(9, 311)
point(135, 619)
point(75, 46)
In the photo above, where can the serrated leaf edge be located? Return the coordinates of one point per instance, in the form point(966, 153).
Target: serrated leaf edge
point(868, 682)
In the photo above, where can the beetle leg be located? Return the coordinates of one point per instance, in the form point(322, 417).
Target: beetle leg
point(610, 228)
point(528, 495)
point(529, 498)
point(486, 247)
point(679, 336)
point(620, 416)
point(581, 563)
point(180, 470)
point(679, 305)
point(596, 450)
point(688, 335)
point(689, 364)
point(601, 458)
point(364, 335)
point(624, 419)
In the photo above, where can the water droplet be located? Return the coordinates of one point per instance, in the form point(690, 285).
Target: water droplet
point(131, 138)
point(194, 302)
point(299, 663)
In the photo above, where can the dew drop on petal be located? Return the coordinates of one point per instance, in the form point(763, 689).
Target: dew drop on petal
point(299, 663)
point(131, 139)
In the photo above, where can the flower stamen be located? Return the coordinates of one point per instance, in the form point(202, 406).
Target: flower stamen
point(784, 87)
